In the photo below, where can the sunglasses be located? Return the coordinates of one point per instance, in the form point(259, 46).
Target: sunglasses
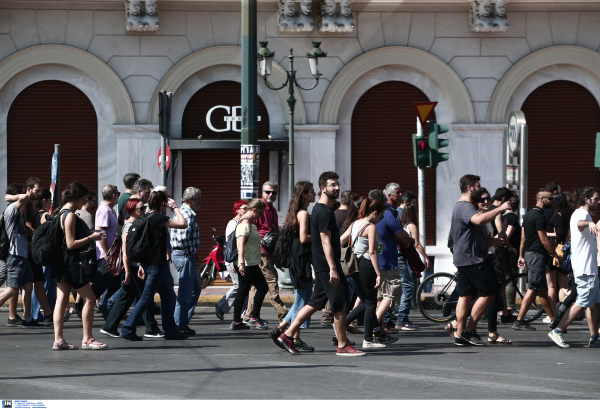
point(243, 208)
point(141, 209)
point(548, 197)
point(270, 192)
point(484, 199)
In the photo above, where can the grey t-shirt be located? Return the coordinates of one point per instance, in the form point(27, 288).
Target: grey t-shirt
point(14, 220)
point(470, 241)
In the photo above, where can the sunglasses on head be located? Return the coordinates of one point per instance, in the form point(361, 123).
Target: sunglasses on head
point(270, 192)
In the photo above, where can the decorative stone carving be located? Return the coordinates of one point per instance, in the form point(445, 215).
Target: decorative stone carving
point(295, 15)
point(488, 16)
point(142, 15)
point(336, 16)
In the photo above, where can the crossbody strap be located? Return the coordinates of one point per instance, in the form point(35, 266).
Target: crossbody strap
point(359, 233)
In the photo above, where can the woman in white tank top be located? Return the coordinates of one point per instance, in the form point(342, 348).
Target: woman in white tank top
point(362, 235)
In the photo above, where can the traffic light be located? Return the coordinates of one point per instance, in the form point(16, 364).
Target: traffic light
point(421, 151)
point(435, 144)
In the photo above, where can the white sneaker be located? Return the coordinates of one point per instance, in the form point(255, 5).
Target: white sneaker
point(547, 320)
point(558, 339)
point(373, 344)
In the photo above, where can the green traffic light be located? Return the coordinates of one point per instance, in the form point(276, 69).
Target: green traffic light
point(435, 143)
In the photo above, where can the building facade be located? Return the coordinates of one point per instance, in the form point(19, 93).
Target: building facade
point(76, 73)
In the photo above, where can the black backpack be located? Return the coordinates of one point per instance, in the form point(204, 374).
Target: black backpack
point(47, 242)
point(230, 251)
point(139, 246)
point(4, 239)
point(283, 248)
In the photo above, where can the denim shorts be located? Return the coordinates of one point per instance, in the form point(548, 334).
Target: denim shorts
point(588, 291)
point(19, 271)
point(536, 270)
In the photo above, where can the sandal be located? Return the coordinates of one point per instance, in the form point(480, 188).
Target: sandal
point(494, 340)
point(63, 346)
point(450, 330)
point(93, 344)
point(353, 330)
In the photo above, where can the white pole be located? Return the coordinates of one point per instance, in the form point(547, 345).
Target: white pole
point(421, 181)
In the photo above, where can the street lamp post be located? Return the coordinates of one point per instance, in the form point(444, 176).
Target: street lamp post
point(265, 63)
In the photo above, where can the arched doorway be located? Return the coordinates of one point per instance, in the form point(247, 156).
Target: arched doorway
point(563, 118)
point(383, 122)
point(216, 172)
point(48, 113)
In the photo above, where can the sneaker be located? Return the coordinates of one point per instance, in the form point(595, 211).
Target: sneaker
point(558, 339)
point(48, 321)
point(302, 346)
point(547, 320)
point(288, 344)
point(459, 342)
point(334, 341)
point(114, 334)
point(33, 324)
point(132, 337)
point(349, 350)
point(385, 339)
point(15, 322)
point(275, 333)
point(373, 344)
point(237, 325)
point(219, 313)
point(407, 326)
point(522, 326)
point(507, 319)
point(472, 338)
point(155, 334)
point(177, 337)
point(188, 331)
point(593, 343)
point(327, 323)
point(257, 323)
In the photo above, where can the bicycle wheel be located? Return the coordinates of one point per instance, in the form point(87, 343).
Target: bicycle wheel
point(536, 310)
point(207, 274)
point(437, 297)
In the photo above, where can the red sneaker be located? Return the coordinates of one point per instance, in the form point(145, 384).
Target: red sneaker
point(349, 350)
point(288, 344)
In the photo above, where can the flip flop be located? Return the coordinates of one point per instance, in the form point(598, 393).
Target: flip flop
point(63, 346)
point(494, 340)
point(450, 330)
point(93, 344)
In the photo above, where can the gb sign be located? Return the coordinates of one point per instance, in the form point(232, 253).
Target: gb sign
point(232, 120)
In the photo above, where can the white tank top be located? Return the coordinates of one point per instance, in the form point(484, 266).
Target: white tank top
point(361, 244)
point(407, 229)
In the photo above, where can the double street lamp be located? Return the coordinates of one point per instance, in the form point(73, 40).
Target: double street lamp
point(265, 64)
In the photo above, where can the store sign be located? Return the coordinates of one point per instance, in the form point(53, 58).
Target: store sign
point(517, 118)
point(250, 159)
point(232, 120)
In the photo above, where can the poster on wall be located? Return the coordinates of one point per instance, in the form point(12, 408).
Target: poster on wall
point(250, 159)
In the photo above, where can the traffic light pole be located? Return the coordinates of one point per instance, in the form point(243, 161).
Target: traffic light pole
point(421, 181)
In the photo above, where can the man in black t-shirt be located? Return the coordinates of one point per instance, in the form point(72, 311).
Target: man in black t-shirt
point(513, 232)
point(330, 283)
point(534, 252)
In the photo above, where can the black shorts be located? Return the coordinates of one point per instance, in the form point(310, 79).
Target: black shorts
point(476, 280)
point(38, 271)
point(338, 297)
point(536, 270)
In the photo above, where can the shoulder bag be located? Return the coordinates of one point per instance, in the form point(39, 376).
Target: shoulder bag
point(349, 261)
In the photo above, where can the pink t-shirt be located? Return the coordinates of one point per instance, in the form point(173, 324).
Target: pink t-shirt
point(267, 222)
point(106, 218)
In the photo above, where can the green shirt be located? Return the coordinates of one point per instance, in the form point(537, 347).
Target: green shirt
point(122, 202)
point(252, 245)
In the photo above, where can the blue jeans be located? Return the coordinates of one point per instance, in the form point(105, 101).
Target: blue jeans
point(50, 287)
point(155, 281)
point(301, 297)
point(189, 287)
point(408, 286)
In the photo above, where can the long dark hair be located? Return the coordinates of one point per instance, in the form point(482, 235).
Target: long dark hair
point(409, 215)
point(39, 204)
point(156, 200)
point(560, 204)
point(296, 204)
point(352, 215)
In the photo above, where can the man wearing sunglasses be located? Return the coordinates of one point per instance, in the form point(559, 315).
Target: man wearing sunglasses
point(266, 223)
point(534, 252)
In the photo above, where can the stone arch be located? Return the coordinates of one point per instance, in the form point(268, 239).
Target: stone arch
point(427, 72)
point(568, 63)
point(215, 64)
point(80, 69)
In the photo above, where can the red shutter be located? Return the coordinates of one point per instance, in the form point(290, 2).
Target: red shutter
point(217, 174)
point(383, 122)
point(48, 113)
point(563, 118)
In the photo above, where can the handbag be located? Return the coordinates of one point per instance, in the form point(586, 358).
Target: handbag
point(114, 258)
point(269, 240)
point(349, 261)
point(413, 259)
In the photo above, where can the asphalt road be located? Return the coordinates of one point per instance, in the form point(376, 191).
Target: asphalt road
point(222, 364)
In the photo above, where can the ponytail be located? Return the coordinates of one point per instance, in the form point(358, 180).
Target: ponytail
point(369, 206)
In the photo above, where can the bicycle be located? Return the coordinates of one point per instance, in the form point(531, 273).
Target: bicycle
point(437, 297)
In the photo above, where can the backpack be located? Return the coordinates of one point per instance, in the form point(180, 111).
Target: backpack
point(567, 257)
point(114, 258)
point(138, 246)
point(47, 242)
point(283, 248)
point(4, 239)
point(230, 251)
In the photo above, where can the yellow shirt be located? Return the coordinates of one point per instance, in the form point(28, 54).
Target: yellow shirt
point(252, 245)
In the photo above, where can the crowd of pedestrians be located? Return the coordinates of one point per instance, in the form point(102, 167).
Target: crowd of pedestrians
point(356, 259)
